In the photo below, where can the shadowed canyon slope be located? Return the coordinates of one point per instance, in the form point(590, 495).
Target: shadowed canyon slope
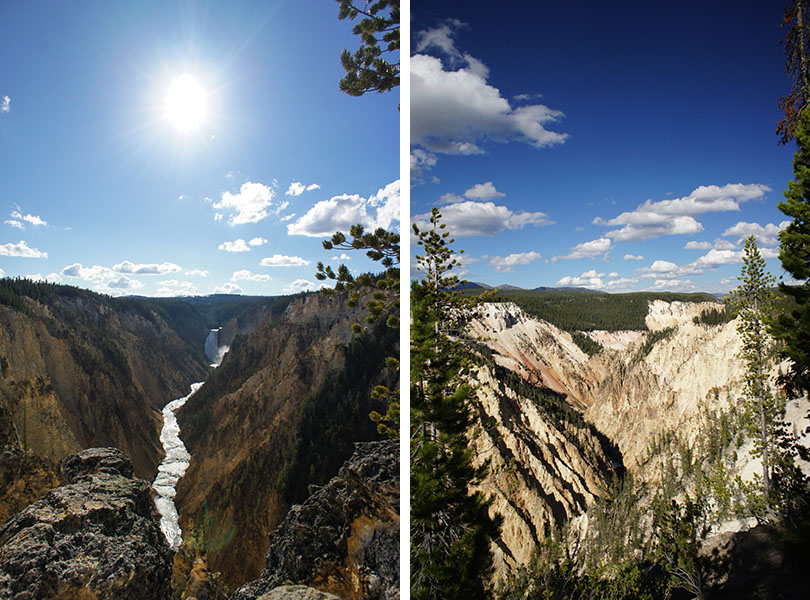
point(78, 370)
point(280, 413)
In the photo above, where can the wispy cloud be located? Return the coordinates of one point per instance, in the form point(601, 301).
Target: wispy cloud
point(19, 220)
point(5, 104)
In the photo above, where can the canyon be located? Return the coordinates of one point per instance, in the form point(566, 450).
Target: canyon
point(276, 420)
point(557, 426)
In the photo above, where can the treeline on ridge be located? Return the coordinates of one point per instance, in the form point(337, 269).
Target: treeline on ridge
point(577, 311)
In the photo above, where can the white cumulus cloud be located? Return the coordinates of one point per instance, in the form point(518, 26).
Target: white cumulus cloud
point(297, 188)
point(228, 288)
point(483, 191)
point(238, 245)
point(591, 249)
point(695, 245)
point(339, 213)
point(300, 285)
point(767, 235)
point(280, 260)
point(676, 216)
point(633, 257)
point(455, 111)
point(5, 104)
point(468, 218)
point(506, 264)
point(146, 269)
point(96, 273)
point(250, 205)
point(245, 275)
point(21, 250)
point(124, 283)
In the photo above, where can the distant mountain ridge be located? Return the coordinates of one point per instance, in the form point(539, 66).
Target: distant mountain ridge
point(474, 285)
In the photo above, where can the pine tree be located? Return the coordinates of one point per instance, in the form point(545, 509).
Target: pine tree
point(679, 532)
point(382, 298)
point(451, 528)
point(753, 300)
point(793, 325)
point(797, 66)
point(378, 28)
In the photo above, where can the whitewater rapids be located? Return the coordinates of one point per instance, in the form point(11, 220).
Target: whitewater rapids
point(171, 469)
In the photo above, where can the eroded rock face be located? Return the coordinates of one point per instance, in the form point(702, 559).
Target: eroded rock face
point(96, 537)
point(344, 539)
point(547, 465)
point(546, 469)
point(536, 350)
point(627, 397)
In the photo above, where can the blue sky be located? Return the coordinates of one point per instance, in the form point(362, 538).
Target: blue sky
point(101, 189)
point(629, 146)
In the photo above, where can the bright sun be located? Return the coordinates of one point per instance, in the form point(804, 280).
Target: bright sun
point(185, 103)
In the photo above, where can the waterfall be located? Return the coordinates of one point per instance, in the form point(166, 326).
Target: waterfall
point(213, 350)
point(171, 469)
point(212, 344)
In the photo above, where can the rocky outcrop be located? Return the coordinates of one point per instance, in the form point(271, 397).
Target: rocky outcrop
point(288, 402)
point(79, 370)
point(344, 538)
point(96, 537)
point(297, 592)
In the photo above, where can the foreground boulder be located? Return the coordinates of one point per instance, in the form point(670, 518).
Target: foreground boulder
point(297, 592)
point(96, 537)
point(344, 539)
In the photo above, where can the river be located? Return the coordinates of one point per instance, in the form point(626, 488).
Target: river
point(170, 471)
